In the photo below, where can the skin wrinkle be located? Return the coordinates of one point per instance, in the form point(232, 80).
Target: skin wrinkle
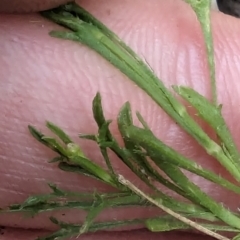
point(67, 103)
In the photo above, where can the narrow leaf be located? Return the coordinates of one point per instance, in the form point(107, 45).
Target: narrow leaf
point(56, 191)
point(59, 132)
point(212, 115)
point(92, 214)
point(76, 169)
point(156, 148)
point(54, 144)
point(97, 110)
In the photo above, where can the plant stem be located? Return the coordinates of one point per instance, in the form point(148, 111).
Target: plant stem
point(155, 147)
point(117, 54)
point(202, 10)
point(213, 116)
point(141, 147)
point(163, 224)
point(183, 219)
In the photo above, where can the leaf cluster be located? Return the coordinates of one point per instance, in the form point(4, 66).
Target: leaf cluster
point(148, 157)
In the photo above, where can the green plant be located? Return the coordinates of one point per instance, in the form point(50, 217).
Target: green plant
point(200, 212)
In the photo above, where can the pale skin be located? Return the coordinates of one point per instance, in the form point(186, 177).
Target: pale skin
point(43, 78)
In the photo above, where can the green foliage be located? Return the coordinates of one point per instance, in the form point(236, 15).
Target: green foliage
point(200, 211)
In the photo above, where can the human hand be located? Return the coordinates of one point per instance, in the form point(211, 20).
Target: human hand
point(43, 78)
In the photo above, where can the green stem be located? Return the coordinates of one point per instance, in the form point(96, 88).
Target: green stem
point(202, 10)
point(68, 230)
point(134, 161)
point(162, 157)
point(120, 57)
point(170, 211)
point(163, 224)
point(44, 205)
point(213, 116)
point(156, 147)
point(89, 31)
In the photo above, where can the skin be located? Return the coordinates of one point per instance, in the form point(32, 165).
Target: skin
point(43, 78)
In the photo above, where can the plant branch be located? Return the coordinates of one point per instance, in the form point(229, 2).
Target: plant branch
point(202, 10)
point(183, 219)
point(151, 160)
